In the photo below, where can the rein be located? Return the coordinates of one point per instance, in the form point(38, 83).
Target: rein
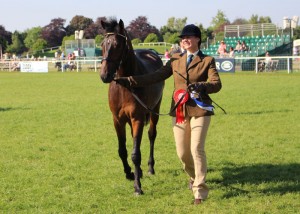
point(208, 96)
point(151, 110)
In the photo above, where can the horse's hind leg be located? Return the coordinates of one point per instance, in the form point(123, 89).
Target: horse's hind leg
point(121, 133)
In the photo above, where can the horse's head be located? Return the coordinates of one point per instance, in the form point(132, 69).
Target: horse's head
point(114, 49)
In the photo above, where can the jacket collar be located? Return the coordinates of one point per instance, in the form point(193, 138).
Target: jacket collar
point(198, 58)
point(182, 70)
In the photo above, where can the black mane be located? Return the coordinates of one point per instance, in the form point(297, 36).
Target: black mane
point(111, 25)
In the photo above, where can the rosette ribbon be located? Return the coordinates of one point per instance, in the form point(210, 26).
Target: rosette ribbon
point(180, 96)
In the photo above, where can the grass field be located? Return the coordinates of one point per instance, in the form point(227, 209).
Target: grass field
point(59, 150)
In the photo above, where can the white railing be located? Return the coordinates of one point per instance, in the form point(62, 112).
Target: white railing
point(287, 64)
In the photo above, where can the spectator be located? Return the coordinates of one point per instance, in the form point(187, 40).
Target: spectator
point(268, 60)
point(70, 64)
point(295, 51)
point(62, 55)
point(238, 47)
point(174, 49)
point(231, 52)
point(56, 55)
point(16, 66)
point(222, 49)
point(167, 54)
point(244, 47)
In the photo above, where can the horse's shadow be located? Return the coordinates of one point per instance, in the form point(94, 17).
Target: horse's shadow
point(273, 179)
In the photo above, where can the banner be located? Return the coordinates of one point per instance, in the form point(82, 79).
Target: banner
point(34, 66)
point(225, 65)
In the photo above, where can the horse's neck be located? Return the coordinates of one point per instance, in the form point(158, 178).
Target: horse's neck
point(129, 66)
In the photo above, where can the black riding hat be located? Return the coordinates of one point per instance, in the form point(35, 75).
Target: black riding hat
point(190, 30)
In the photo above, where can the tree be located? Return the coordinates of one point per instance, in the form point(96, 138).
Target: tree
point(136, 41)
point(297, 33)
point(240, 21)
point(94, 29)
point(39, 45)
point(152, 37)
point(174, 38)
point(5, 38)
point(264, 19)
point(219, 21)
point(255, 19)
point(173, 25)
point(99, 38)
point(33, 35)
point(79, 23)
point(54, 32)
point(140, 28)
point(17, 45)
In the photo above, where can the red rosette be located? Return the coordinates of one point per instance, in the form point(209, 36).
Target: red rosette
point(180, 96)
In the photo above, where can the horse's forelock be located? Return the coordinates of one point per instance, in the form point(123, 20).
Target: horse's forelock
point(111, 26)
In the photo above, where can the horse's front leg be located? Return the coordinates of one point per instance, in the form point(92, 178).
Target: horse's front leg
point(121, 133)
point(137, 132)
point(152, 132)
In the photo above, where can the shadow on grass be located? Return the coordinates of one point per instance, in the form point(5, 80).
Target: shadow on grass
point(2, 109)
point(267, 179)
point(263, 112)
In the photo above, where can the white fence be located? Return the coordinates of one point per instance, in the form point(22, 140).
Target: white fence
point(287, 64)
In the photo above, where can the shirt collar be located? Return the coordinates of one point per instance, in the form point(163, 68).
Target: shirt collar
point(195, 53)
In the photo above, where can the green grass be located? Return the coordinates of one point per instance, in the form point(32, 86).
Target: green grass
point(59, 150)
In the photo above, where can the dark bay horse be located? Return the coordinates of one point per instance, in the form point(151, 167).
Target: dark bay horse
point(120, 60)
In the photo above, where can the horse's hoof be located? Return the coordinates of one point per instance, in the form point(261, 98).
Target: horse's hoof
point(138, 193)
point(130, 176)
point(151, 172)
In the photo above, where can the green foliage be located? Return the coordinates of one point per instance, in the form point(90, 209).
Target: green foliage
point(59, 151)
point(174, 38)
point(175, 25)
point(79, 23)
point(297, 33)
point(160, 49)
point(17, 45)
point(39, 45)
point(136, 41)
point(219, 20)
point(32, 35)
point(255, 19)
point(152, 37)
point(67, 38)
point(98, 39)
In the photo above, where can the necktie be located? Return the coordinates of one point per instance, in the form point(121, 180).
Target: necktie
point(190, 58)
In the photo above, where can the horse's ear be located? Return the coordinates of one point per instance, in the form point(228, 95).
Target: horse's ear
point(121, 24)
point(103, 24)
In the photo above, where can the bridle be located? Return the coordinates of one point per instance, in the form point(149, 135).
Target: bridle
point(124, 52)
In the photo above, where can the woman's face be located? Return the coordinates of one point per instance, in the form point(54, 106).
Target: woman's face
point(190, 43)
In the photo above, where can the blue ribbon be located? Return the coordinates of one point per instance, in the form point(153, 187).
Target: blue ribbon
point(203, 105)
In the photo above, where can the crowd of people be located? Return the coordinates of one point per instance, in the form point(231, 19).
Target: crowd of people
point(223, 51)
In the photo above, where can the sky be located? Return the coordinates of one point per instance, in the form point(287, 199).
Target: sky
point(22, 15)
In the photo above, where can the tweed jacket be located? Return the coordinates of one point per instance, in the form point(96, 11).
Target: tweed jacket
point(201, 69)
